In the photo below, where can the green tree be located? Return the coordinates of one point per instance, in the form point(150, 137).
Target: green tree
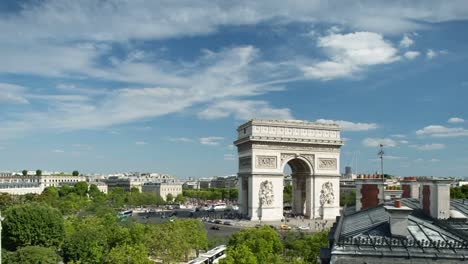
point(87, 239)
point(25, 173)
point(75, 173)
point(169, 197)
point(81, 188)
point(38, 173)
point(263, 242)
point(348, 198)
point(240, 254)
point(32, 225)
point(174, 242)
point(456, 193)
point(50, 195)
point(33, 255)
point(136, 253)
point(5, 200)
point(116, 197)
point(304, 247)
point(180, 198)
point(94, 192)
point(233, 193)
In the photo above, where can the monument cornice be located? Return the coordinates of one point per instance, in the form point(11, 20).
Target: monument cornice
point(289, 124)
point(289, 140)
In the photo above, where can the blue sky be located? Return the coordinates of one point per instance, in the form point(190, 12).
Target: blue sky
point(107, 86)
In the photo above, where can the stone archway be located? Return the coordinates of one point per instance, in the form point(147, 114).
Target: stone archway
point(312, 150)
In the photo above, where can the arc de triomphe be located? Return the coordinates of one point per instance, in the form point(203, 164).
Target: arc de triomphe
point(312, 150)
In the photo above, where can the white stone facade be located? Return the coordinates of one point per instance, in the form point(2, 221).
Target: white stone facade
point(163, 189)
point(19, 185)
point(312, 150)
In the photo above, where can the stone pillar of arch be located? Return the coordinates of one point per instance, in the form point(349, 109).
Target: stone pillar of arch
point(312, 150)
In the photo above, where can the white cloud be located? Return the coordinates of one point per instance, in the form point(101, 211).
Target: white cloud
point(434, 160)
point(410, 55)
point(406, 41)
point(398, 136)
point(456, 120)
point(58, 151)
point(350, 126)
point(426, 147)
point(430, 54)
point(403, 141)
point(349, 54)
point(244, 110)
point(375, 142)
point(211, 141)
point(140, 143)
point(389, 157)
point(442, 131)
point(229, 157)
point(180, 139)
point(10, 93)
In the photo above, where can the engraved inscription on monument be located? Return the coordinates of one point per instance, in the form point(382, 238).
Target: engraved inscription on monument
point(327, 164)
point(265, 162)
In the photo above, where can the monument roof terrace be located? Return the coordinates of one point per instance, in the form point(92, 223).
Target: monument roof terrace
point(291, 131)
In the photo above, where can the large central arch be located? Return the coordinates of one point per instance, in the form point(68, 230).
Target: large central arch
point(312, 150)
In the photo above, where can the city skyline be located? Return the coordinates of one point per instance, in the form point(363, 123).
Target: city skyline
point(102, 87)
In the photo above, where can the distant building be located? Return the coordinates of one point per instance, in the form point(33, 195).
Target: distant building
point(163, 188)
point(191, 183)
point(19, 185)
point(224, 182)
point(100, 185)
point(204, 183)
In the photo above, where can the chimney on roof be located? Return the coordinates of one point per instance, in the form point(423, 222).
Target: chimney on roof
point(435, 200)
point(398, 219)
point(369, 191)
point(410, 187)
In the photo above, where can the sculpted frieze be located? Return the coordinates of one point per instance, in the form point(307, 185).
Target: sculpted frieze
point(327, 164)
point(295, 147)
point(265, 162)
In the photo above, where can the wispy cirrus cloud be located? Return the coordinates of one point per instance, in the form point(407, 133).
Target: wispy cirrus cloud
point(376, 142)
point(244, 110)
point(428, 147)
point(211, 141)
point(180, 139)
point(350, 126)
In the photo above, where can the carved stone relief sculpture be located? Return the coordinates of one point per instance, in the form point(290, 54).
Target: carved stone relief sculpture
point(266, 195)
point(326, 194)
point(327, 164)
point(265, 162)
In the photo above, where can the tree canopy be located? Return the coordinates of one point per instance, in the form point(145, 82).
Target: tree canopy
point(32, 225)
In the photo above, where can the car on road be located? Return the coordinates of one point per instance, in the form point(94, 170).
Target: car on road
point(303, 228)
point(228, 223)
point(285, 227)
point(217, 221)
